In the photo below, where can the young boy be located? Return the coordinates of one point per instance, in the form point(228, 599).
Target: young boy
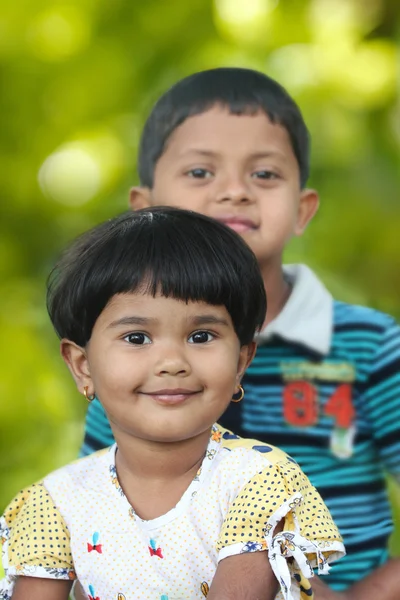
point(232, 144)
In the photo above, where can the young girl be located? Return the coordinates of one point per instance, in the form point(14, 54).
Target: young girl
point(156, 311)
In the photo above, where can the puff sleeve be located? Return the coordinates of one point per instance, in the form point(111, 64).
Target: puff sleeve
point(35, 540)
point(281, 492)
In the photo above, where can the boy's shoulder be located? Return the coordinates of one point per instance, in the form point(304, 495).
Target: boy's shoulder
point(311, 301)
point(312, 317)
point(356, 316)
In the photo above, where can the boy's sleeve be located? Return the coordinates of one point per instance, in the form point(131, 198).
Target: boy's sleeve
point(383, 399)
point(309, 537)
point(98, 433)
point(35, 540)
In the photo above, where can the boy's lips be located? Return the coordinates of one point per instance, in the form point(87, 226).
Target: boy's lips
point(171, 396)
point(237, 223)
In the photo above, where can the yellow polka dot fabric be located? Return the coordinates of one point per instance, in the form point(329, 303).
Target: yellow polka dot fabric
point(280, 495)
point(261, 498)
point(37, 532)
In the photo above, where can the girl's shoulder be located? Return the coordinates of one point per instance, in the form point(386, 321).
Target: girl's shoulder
point(248, 448)
point(36, 497)
point(240, 460)
point(83, 472)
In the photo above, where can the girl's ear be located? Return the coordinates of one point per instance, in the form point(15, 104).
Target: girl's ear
point(246, 356)
point(139, 197)
point(76, 360)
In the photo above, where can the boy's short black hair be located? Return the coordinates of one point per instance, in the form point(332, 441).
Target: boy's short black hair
point(179, 253)
point(242, 91)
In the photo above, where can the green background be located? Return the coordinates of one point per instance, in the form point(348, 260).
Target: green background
point(77, 81)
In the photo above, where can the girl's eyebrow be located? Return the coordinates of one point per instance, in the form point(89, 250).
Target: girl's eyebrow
point(210, 320)
point(132, 320)
point(197, 321)
point(200, 151)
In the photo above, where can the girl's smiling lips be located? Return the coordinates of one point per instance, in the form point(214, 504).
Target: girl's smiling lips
point(171, 395)
point(237, 223)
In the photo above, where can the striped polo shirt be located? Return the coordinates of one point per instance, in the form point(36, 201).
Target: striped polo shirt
point(325, 387)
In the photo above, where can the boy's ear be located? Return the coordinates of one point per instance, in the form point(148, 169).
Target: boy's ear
point(308, 206)
point(76, 360)
point(139, 197)
point(246, 356)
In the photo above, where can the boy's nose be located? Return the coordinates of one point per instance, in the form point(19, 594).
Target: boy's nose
point(236, 192)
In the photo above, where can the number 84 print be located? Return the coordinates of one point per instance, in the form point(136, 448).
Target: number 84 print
point(301, 409)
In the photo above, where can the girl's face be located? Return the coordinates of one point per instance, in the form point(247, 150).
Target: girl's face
point(164, 370)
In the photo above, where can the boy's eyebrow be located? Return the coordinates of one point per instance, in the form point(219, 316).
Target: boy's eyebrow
point(132, 320)
point(254, 155)
point(267, 154)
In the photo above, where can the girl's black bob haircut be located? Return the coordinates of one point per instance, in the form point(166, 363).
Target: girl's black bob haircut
point(240, 91)
point(178, 253)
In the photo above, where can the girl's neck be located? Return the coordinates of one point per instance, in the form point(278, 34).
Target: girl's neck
point(277, 288)
point(154, 476)
point(150, 460)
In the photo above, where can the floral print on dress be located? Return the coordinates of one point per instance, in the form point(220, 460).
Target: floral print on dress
point(154, 551)
point(95, 546)
point(4, 531)
point(61, 573)
point(216, 435)
point(296, 503)
point(197, 476)
point(114, 479)
point(92, 595)
point(252, 547)
point(205, 588)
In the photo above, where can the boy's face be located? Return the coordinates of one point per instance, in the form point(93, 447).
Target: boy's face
point(240, 170)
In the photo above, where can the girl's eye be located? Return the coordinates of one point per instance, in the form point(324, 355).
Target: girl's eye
point(264, 175)
point(137, 338)
point(199, 173)
point(201, 337)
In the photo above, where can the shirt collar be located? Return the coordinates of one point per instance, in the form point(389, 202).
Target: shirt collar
point(307, 317)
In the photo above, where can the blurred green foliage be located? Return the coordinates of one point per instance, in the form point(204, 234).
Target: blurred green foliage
point(77, 81)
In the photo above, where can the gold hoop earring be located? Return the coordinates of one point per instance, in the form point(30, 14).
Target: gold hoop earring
point(240, 396)
point(89, 397)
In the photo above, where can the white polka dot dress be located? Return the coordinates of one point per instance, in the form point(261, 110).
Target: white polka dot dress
point(77, 523)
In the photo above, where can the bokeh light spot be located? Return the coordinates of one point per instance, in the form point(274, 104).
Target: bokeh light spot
point(58, 33)
point(243, 12)
point(244, 20)
point(77, 171)
point(293, 66)
point(70, 176)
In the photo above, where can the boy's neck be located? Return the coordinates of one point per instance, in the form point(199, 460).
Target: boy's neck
point(277, 288)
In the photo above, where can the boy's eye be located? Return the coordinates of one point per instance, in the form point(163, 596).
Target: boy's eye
point(200, 337)
point(199, 173)
point(264, 175)
point(137, 338)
